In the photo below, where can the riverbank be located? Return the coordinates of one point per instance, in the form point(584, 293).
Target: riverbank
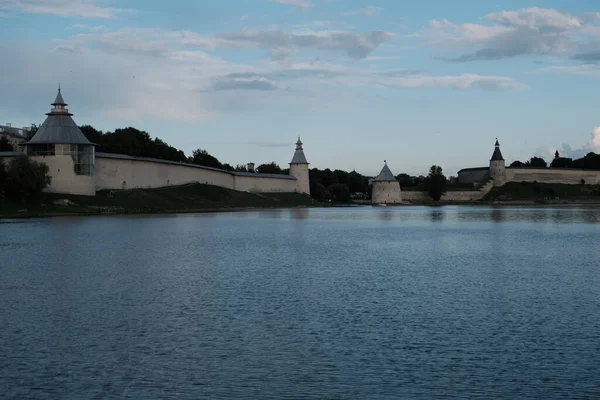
point(176, 199)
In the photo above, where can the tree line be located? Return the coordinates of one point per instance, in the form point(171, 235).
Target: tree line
point(590, 161)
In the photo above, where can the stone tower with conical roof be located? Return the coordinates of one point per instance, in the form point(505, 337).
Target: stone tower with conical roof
point(70, 156)
point(497, 166)
point(299, 169)
point(386, 188)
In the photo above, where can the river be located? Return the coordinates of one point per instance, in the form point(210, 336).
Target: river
point(339, 303)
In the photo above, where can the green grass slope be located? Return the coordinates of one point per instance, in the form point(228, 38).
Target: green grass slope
point(186, 198)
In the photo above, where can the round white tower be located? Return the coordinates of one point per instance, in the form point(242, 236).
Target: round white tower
point(299, 169)
point(386, 188)
point(497, 166)
point(70, 156)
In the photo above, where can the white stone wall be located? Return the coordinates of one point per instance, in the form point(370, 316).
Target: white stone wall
point(64, 179)
point(300, 172)
point(552, 175)
point(386, 192)
point(463, 195)
point(114, 174)
point(259, 184)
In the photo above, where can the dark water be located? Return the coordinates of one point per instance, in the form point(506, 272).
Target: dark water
point(355, 303)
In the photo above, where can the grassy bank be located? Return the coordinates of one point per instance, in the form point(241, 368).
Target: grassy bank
point(187, 198)
point(544, 192)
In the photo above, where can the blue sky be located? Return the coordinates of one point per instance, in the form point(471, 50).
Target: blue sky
point(416, 83)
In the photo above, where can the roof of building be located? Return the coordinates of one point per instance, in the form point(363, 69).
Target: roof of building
point(59, 128)
point(385, 175)
point(299, 157)
point(157, 160)
point(497, 156)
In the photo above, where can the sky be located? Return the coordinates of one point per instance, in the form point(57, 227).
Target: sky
point(415, 83)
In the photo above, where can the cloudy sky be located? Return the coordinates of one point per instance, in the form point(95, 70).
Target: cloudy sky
point(416, 83)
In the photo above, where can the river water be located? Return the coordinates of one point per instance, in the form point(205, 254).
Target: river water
point(343, 303)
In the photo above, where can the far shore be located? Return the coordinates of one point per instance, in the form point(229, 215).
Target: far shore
point(27, 214)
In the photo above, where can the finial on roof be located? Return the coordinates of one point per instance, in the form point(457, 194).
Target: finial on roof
point(299, 144)
point(59, 86)
point(497, 143)
point(385, 162)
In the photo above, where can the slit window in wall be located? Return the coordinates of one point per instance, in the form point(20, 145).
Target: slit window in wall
point(124, 186)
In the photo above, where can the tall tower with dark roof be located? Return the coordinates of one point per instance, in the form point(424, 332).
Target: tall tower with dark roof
point(497, 166)
point(299, 169)
point(70, 156)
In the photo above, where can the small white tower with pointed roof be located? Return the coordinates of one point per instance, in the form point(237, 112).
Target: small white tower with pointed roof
point(497, 166)
point(386, 188)
point(299, 169)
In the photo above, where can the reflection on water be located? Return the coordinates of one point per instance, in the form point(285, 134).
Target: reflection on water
point(352, 303)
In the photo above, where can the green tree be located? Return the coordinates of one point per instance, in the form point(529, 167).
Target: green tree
point(537, 162)
point(270, 168)
point(32, 130)
point(561, 162)
point(3, 177)
point(339, 192)
point(517, 164)
point(241, 168)
point(202, 157)
point(25, 180)
point(5, 145)
point(436, 183)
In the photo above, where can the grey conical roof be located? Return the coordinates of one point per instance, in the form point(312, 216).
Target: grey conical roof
point(385, 175)
point(59, 100)
point(59, 128)
point(497, 156)
point(299, 157)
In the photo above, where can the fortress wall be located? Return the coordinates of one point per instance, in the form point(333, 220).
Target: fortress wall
point(113, 173)
point(463, 195)
point(64, 179)
point(116, 172)
point(260, 184)
point(552, 175)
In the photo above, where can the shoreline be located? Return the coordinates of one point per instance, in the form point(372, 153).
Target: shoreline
point(66, 213)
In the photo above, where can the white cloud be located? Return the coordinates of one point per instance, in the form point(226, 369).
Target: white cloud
point(63, 8)
point(295, 3)
point(571, 151)
point(583, 70)
point(530, 31)
point(369, 11)
point(355, 45)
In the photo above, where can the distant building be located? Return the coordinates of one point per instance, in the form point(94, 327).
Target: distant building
point(15, 136)
point(386, 188)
